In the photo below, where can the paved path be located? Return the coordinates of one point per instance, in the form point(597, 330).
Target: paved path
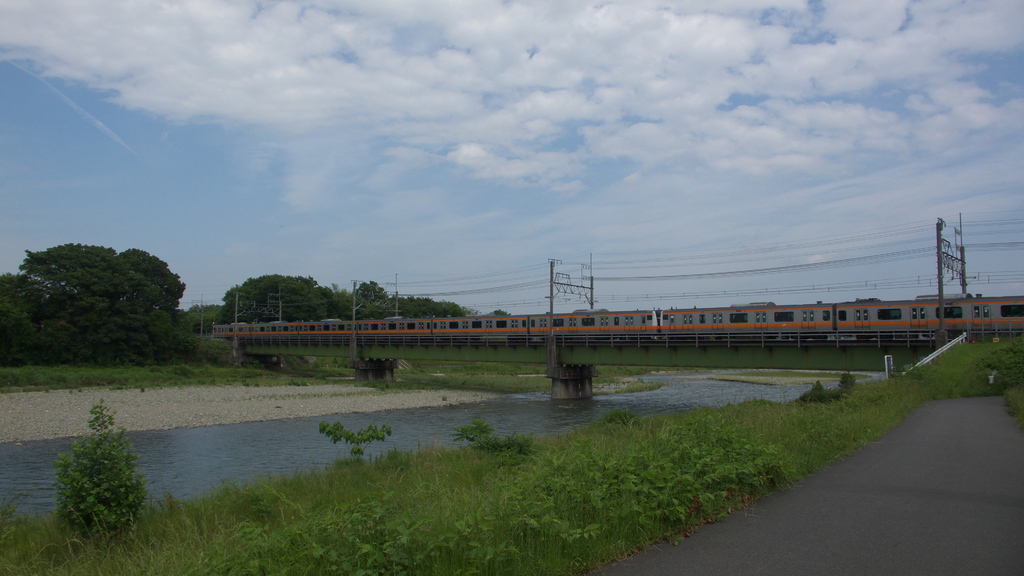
point(942, 493)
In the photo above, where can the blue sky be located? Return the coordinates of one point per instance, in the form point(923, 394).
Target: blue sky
point(460, 145)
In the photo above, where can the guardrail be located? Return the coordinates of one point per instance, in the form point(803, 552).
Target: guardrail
point(958, 340)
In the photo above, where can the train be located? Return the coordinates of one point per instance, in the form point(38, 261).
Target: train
point(860, 318)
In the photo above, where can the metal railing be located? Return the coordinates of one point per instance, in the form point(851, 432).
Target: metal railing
point(958, 340)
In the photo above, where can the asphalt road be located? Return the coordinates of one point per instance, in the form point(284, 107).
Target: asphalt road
point(942, 493)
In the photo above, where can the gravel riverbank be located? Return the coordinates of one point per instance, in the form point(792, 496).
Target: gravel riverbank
point(65, 413)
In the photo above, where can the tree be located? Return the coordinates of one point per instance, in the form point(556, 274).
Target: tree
point(15, 325)
point(98, 486)
point(199, 319)
point(272, 297)
point(91, 304)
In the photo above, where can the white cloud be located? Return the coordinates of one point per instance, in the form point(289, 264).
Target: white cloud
point(533, 92)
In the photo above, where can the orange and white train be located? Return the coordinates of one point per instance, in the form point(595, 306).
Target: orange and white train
point(979, 316)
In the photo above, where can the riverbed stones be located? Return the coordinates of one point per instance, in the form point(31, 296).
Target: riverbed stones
point(65, 413)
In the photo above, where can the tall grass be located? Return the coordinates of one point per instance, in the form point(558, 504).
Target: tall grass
point(583, 499)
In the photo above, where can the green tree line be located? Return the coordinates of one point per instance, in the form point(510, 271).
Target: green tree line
point(294, 298)
point(80, 304)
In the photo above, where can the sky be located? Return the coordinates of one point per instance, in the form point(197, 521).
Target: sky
point(696, 153)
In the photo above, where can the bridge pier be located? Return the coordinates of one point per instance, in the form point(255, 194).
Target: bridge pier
point(368, 369)
point(572, 381)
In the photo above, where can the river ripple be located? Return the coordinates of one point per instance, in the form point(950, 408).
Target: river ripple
point(187, 462)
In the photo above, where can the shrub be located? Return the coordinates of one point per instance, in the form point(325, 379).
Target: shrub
point(1007, 365)
point(471, 433)
point(337, 433)
point(846, 381)
point(511, 450)
point(98, 487)
point(819, 393)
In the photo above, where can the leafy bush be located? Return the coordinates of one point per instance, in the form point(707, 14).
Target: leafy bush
point(1007, 363)
point(478, 430)
point(819, 393)
point(337, 433)
point(846, 381)
point(98, 487)
point(512, 449)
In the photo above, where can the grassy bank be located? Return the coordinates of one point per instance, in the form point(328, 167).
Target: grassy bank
point(573, 503)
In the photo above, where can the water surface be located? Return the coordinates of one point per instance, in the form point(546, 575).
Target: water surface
point(186, 462)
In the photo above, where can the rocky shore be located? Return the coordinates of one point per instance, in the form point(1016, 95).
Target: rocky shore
point(65, 413)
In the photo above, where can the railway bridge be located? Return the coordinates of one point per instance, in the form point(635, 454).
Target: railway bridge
point(572, 359)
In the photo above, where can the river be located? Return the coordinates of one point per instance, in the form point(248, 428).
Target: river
point(187, 462)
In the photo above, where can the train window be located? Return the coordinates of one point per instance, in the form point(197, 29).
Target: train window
point(738, 318)
point(477, 324)
point(986, 312)
point(858, 316)
point(803, 315)
point(913, 313)
point(812, 315)
point(890, 314)
point(977, 311)
point(783, 316)
point(411, 326)
point(453, 325)
point(533, 323)
point(826, 315)
point(952, 312)
point(842, 315)
point(489, 324)
point(616, 320)
point(1012, 310)
point(556, 322)
point(587, 322)
point(501, 324)
point(701, 318)
point(392, 326)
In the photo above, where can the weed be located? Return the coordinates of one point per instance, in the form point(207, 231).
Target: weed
point(619, 417)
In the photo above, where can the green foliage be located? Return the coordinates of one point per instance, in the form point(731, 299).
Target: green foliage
point(624, 417)
point(1007, 364)
point(299, 298)
point(478, 430)
point(98, 487)
point(90, 304)
point(1015, 402)
point(819, 393)
point(337, 433)
point(511, 450)
point(8, 507)
point(847, 381)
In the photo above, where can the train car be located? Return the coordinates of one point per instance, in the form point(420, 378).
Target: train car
point(861, 317)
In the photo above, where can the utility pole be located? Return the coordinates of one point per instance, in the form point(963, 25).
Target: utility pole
point(940, 335)
point(951, 257)
point(352, 356)
point(552, 353)
point(234, 335)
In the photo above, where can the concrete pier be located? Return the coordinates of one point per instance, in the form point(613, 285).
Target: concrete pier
point(368, 369)
point(572, 381)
